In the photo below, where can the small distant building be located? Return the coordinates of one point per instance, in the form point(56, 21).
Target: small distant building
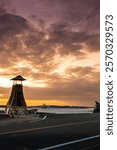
point(16, 103)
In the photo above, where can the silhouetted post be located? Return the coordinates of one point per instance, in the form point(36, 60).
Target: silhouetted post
point(97, 107)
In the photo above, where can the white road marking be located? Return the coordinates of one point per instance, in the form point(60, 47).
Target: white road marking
point(38, 120)
point(48, 127)
point(71, 142)
point(44, 117)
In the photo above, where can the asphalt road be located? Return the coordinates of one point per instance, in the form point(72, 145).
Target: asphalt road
point(56, 132)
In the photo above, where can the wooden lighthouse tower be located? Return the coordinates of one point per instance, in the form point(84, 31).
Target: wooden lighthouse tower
point(16, 104)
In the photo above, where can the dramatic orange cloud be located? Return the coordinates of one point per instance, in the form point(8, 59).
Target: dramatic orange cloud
point(56, 50)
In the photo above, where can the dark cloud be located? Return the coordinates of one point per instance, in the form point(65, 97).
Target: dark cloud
point(24, 42)
point(12, 24)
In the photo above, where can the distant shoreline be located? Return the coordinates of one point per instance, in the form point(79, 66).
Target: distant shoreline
point(53, 106)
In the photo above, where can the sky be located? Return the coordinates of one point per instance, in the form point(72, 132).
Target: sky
point(55, 45)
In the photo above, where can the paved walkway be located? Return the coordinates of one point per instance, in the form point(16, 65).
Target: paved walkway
point(20, 119)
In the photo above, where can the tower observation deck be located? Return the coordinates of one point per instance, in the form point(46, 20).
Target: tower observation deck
point(16, 103)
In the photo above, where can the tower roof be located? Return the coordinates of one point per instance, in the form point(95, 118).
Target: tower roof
point(19, 77)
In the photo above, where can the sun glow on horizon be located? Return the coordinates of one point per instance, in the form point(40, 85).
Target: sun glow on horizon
point(37, 102)
point(51, 102)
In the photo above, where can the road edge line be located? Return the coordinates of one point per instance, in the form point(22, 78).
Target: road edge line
point(68, 143)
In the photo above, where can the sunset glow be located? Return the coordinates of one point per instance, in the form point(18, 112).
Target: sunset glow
point(57, 50)
point(49, 102)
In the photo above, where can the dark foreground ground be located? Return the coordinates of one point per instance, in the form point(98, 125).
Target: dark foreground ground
point(56, 132)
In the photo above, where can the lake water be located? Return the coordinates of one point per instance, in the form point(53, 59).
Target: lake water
point(62, 110)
